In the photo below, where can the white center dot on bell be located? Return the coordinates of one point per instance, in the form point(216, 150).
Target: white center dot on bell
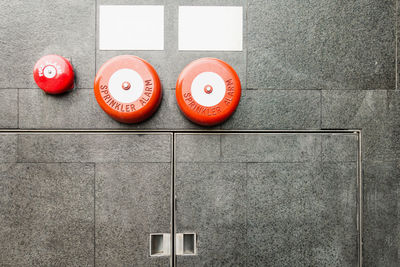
point(208, 89)
point(126, 86)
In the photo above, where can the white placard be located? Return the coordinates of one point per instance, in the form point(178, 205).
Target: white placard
point(211, 28)
point(126, 27)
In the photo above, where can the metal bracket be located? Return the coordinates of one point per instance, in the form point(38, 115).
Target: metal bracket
point(160, 245)
point(186, 244)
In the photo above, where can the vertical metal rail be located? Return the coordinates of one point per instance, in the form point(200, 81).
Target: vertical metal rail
point(173, 201)
point(94, 215)
point(360, 200)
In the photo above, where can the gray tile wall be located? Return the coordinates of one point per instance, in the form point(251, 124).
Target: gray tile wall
point(321, 44)
point(302, 214)
point(309, 65)
point(381, 233)
point(46, 214)
point(132, 201)
point(276, 200)
point(32, 29)
point(83, 200)
point(211, 201)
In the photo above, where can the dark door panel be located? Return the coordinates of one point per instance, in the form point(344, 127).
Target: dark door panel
point(83, 199)
point(268, 199)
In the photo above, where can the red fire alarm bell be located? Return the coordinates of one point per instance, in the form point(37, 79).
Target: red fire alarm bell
point(208, 91)
point(54, 74)
point(128, 89)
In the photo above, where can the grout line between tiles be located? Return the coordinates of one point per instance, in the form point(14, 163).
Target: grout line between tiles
point(254, 89)
point(320, 109)
point(37, 88)
point(396, 44)
point(18, 111)
point(173, 202)
point(95, 38)
point(247, 42)
point(177, 131)
point(94, 216)
point(246, 215)
point(269, 162)
point(360, 201)
point(18, 152)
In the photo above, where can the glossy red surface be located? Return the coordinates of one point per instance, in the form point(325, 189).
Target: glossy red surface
point(208, 116)
point(54, 74)
point(138, 110)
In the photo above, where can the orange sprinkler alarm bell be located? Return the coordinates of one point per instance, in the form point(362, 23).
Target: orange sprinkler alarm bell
point(128, 89)
point(208, 91)
point(54, 74)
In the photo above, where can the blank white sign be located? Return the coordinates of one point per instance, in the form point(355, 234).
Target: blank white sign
point(211, 28)
point(124, 27)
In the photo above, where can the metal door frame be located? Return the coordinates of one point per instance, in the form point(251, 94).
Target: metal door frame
point(174, 132)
